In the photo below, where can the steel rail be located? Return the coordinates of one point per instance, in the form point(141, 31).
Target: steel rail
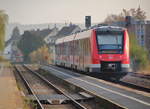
point(76, 104)
point(134, 86)
point(140, 75)
point(29, 88)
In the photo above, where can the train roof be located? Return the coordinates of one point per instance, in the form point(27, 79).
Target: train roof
point(109, 28)
point(66, 39)
point(84, 33)
point(60, 40)
point(76, 36)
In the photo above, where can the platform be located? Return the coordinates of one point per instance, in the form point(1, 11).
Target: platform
point(124, 98)
point(10, 96)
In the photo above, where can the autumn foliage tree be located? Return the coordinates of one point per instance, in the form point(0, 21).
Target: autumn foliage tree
point(41, 55)
point(135, 13)
point(3, 22)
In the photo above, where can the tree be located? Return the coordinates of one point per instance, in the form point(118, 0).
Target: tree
point(28, 43)
point(113, 18)
point(41, 55)
point(138, 54)
point(139, 14)
point(3, 22)
point(135, 13)
point(15, 33)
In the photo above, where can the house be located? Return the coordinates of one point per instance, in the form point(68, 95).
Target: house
point(55, 34)
point(49, 38)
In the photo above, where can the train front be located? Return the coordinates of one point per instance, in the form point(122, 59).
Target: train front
point(111, 50)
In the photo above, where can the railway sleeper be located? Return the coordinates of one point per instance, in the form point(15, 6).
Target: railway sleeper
point(60, 98)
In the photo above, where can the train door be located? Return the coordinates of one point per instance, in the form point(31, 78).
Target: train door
point(81, 54)
point(76, 54)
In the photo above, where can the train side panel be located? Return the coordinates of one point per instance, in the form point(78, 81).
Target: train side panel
point(83, 51)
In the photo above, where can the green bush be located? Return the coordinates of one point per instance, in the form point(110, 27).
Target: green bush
point(138, 54)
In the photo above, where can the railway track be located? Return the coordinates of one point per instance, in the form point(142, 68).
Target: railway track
point(39, 104)
point(141, 75)
point(29, 78)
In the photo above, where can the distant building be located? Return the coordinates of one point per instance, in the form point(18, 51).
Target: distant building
point(147, 38)
point(48, 39)
point(16, 54)
point(67, 30)
point(55, 34)
point(140, 28)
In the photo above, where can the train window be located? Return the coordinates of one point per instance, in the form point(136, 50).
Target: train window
point(65, 48)
point(60, 49)
point(110, 42)
point(85, 47)
point(68, 48)
point(82, 47)
point(89, 47)
point(86, 44)
point(109, 39)
point(72, 48)
point(77, 47)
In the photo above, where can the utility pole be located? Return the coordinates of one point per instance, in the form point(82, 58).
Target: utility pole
point(139, 3)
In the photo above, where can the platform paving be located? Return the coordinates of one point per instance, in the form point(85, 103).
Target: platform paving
point(10, 96)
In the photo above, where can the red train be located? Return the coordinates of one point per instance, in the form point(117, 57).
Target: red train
point(102, 49)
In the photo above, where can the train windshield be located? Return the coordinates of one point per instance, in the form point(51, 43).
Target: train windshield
point(110, 43)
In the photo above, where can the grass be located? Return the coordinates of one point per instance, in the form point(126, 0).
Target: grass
point(29, 104)
point(145, 71)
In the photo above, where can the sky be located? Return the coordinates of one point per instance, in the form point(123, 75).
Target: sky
point(60, 11)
